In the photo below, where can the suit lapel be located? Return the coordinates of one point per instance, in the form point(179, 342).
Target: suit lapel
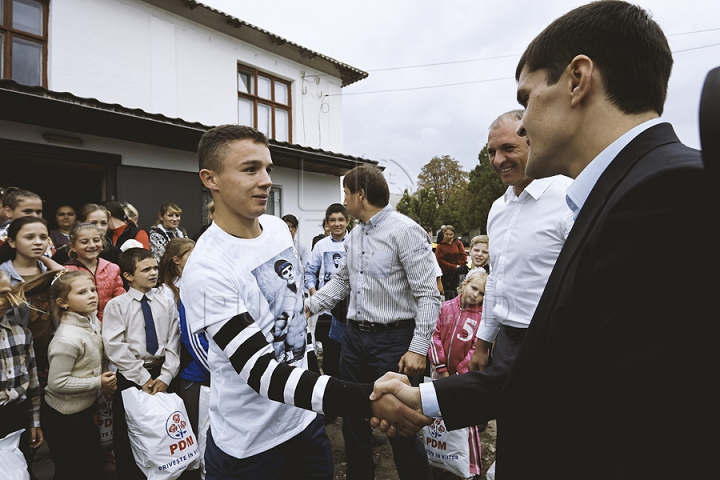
point(588, 216)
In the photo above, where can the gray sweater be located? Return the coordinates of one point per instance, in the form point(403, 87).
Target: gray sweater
point(76, 363)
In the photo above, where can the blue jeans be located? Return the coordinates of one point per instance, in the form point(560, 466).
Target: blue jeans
point(365, 357)
point(306, 455)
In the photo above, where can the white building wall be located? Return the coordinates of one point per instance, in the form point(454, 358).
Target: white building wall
point(304, 194)
point(139, 56)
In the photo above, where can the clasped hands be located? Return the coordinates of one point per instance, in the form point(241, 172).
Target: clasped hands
point(397, 406)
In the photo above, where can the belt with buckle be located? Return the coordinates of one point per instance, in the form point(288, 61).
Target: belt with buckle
point(381, 327)
point(153, 364)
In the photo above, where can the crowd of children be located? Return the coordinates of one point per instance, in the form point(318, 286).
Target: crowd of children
point(82, 319)
point(93, 307)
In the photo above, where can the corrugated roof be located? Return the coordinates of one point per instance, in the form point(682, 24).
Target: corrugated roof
point(254, 35)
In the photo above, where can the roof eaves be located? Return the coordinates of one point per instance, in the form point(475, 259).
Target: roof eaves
point(347, 73)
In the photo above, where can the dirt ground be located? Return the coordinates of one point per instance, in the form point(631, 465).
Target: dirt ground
point(385, 465)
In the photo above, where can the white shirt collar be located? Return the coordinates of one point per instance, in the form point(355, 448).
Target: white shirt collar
point(578, 192)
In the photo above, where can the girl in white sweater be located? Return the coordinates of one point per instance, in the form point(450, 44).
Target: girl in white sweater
point(76, 373)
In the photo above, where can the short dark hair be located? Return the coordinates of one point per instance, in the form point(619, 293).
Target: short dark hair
point(116, 210)
point(370, 179)
point(628, 47)
point(129, 259)
point(336, 208)
point(213, 144)
point(291, 219)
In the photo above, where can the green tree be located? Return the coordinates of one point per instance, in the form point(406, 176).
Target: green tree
point(444, 176)
point(421, 206)
point(483, 188)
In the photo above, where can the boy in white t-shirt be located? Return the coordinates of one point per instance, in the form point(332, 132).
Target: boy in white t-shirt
point(238, 288)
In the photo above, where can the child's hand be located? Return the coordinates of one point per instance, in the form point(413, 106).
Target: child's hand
point(148, 387)
point(158, 386)
point(443, 374)
point(36, 437)
point(108, 383)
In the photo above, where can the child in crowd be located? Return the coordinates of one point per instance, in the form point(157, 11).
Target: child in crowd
point(121, 230)
point(141, 334)
point(19, 385)
point(132, 214)
point(166, 227)
point(480, 253)
point(76, 373)
point(453, 342)
point(24, 203)
point(27, 240)
point(194, 368)
point(65, 219)
point(86, 244)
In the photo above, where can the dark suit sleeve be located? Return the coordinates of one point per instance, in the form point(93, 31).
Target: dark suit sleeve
point(473, 397)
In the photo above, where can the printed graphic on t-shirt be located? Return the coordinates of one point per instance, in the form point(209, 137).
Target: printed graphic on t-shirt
point(279, 280)
point(331, 263)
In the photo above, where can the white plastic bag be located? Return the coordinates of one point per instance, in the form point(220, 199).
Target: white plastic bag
point(162, 439)
point(448, 450)
point(105, 421)
point(203, 424)
point(12, 462)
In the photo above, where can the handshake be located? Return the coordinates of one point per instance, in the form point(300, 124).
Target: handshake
point(397, 406)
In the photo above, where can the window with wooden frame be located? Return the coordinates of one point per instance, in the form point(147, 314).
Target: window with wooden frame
point(24, 41)
point(264, 103)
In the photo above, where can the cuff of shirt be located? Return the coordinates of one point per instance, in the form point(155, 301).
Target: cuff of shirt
point(429, 400)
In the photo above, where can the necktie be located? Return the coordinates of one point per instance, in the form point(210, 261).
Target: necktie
point(151, 340)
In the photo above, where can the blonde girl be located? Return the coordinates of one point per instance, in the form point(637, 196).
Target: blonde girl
point(453, 342)
point(76, 374)
point(86, 244)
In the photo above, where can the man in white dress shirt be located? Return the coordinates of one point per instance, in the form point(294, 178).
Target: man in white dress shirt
point(527, 227)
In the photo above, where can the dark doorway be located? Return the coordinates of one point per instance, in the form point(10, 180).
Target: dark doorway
point(61, 176)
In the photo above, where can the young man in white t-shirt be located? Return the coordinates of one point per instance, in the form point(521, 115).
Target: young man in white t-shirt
point(237, 287)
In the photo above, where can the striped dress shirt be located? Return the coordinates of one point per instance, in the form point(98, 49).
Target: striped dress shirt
point(389, 273)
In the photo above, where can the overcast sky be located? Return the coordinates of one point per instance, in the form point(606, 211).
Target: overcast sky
point(405, 127)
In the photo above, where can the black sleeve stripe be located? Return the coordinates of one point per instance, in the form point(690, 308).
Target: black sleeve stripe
point(246, 350)
point(259, 369)
point(304, 390)
point(232, 329)
point(276, 390)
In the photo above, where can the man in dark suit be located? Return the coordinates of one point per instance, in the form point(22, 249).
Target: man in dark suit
point(617, 359)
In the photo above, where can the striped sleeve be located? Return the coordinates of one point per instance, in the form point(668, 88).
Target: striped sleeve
point(253, 358)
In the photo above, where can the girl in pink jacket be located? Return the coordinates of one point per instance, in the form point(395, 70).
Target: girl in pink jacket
point(453, 342)
point(85, 247)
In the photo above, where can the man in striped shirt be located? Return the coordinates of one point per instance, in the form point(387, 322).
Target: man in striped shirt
point(394, 303)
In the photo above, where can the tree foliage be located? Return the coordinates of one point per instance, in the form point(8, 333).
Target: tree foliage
point(450, 196)
point(444, 176)
point(483, 189)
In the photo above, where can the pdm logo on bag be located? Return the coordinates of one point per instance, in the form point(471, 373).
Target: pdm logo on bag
point(436, 431)
point(176, 427)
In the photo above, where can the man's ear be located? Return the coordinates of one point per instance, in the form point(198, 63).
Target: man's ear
point(207, 177)
point(582, 78)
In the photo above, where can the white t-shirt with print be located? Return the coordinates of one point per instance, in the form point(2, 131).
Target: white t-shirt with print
point(227, 276)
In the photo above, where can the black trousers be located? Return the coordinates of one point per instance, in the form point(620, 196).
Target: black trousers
point(74, 442)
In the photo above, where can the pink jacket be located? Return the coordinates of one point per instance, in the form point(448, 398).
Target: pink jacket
point(107, 280)
point(453, 341)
